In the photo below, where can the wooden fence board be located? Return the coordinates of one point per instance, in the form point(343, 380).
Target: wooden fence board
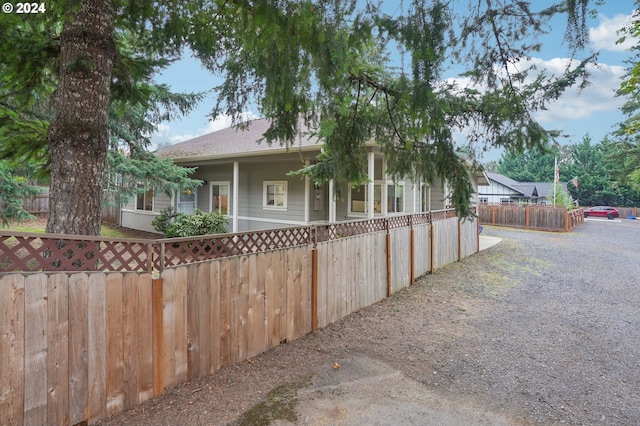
point(97, 350)
point(12, 349)
point(58, 349)
point(445, 242)
point(145, 337)
point(322, 250)
point(381, 263)
point(115, 344)
point(276, 297)
point(235, 317)
point(169, 326)
point(130, 340)
point(204, 318)
point(78, 340)
point(225, 312)
point(214, 303)
point(243, 307)
point(35, 348)
point(256, 314)
point(193, 322)
point(181, 344)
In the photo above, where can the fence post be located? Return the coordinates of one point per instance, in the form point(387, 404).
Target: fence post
point(162, 253)
point(150, 253)
point(314, 289)
point(389, 284)
point(432, 243)
point(412, 250)
point(157, 338)
point(459, 240)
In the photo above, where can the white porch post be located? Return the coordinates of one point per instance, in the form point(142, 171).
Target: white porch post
point(371, 185)
point(415, 198)
point(332, 203)
point(307, 195)
point(236, 184)
point(384, 194)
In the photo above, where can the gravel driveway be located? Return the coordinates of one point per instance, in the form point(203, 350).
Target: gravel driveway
point(542, 328)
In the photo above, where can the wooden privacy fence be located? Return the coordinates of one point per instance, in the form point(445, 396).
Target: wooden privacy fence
point(532, 216)
point(79, 346)
point(39, 205)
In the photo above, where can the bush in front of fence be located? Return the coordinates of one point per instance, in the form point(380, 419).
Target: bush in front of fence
point(173, 224)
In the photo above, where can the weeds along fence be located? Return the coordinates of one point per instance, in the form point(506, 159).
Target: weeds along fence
point(532, 216)
point(80, 344)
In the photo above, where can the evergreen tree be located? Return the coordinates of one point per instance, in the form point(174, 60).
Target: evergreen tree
point(304, 59)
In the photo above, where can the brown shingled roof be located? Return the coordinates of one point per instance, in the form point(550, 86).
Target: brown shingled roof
point(232, 142)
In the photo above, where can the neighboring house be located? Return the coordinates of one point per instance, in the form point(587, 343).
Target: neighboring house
point(504, 190)
point(250, 183)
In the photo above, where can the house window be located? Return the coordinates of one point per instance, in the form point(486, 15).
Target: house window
point(186, 201)
point(424, 198)
point(275, 195)
point(219, 197)
point(395, 198)
point(359, 197)
point(483, 200)
point(505, 200)
point(144, 200)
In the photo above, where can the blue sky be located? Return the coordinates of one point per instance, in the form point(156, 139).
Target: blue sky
point(594, 111)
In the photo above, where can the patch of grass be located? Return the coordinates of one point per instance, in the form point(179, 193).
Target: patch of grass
point(280, 404)
point(38, 227)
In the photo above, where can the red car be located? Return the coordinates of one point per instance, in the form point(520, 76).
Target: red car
point(601, 211)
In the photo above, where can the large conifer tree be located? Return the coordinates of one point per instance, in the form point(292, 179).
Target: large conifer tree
point(324, 60)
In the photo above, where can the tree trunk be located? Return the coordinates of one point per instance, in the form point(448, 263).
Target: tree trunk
point(78, 136)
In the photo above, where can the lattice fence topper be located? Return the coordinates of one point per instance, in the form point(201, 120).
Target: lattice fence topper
point(349, 229)
point(37, 252)
point(179, 251)
point(421, 218)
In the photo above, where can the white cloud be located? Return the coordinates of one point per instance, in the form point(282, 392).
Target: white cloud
point(605, 35)
point(575, 104)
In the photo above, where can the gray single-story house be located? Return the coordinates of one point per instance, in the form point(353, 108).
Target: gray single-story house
point(504, 190)
point(250, 183)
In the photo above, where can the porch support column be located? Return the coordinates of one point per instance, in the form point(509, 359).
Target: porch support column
point(384, 192)
point(371, 185)
point(236, 184)
point(416, 191)
point(307, 195)
point(332, 203)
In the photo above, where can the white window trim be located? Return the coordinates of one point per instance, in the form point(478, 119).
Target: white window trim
point(195, 199)
point(382, 186)
point(229, 194)
point(265, 184)
point(153, 201)
point(427, 207)
point(404, 197)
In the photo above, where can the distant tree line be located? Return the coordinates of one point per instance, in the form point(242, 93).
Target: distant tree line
point(596, 168)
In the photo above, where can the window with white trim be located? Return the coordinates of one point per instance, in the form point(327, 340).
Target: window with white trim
point(395, 198)
point(187, 201)
point(219, 197)
point(424, 198)
point(359, 199)
point(275, 195)
point(144, 200)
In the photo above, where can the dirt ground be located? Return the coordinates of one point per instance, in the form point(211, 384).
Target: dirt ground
point(542, 328)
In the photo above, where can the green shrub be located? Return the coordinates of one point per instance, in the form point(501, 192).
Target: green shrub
point(167, 216)
point(199, 223)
